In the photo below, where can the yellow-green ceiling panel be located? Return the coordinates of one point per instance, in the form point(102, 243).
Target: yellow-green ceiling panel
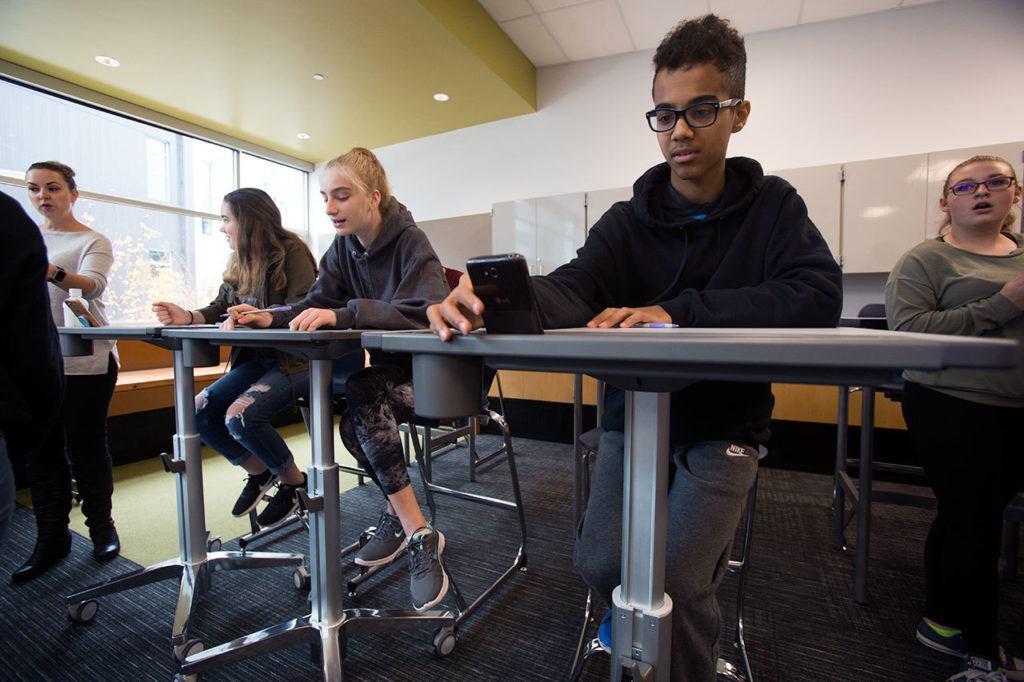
point(245, 67)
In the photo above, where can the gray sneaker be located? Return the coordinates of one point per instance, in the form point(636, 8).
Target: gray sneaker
point(428, 583)
point(386, 543)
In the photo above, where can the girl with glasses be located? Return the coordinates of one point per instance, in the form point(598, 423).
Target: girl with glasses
point(965, 424)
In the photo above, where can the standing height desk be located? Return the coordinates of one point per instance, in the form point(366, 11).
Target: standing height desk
point(194, 564)
point(648, 364)
point(328, 622)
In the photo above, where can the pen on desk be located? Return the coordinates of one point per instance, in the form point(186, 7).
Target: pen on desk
point(658, 325)
point(261, 310)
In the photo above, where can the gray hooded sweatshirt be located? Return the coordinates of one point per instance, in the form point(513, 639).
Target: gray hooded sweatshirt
point(387, 286)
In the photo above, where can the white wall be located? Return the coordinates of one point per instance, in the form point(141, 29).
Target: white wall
point(930, 77)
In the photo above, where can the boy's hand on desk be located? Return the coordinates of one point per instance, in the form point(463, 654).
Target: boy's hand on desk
point(461, 310)
point(171, 313)
point(238, 314)
point(627, 317)
point(312, 319)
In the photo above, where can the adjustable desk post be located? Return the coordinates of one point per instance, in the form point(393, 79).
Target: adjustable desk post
point(649, 364)
point(327, 624)
point(194, 564)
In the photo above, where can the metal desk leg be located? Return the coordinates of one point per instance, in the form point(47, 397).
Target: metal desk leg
point(839, 475)
point(578, 471)
point(325, 524)
point(642, 612)
point(322, 628)
point(194, 565)
point(867, 447)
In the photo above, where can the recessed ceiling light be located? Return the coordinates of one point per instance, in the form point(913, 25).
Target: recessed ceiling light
point(441, 97)
point(318, 76)
point(303, 136)
point(107, 61)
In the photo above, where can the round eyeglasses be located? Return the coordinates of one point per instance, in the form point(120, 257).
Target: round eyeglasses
point(996, 184)
point(701, 115)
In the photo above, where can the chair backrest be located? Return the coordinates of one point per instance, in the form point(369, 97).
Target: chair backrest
point(343, 367)
point(872, 310)
point(452, 275)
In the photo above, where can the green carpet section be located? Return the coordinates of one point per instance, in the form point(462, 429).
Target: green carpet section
point(145, 506)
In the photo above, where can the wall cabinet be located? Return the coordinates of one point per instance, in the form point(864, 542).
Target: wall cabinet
point(869, 212)
point(821, 188)
point(600, 201)
point(547, 230)
point(884, 209)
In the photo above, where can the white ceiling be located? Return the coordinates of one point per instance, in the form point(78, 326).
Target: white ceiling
point(556, 31)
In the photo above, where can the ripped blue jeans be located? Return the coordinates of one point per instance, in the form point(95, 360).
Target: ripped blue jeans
point(233, 413)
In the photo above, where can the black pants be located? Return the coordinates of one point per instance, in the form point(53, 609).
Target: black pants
point(79, 435)
point(974, 458)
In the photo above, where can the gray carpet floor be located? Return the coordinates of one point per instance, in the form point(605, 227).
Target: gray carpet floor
point(802, 623)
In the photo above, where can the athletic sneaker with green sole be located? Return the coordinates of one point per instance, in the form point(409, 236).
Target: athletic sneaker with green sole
point(387, 540)
point(943, 639)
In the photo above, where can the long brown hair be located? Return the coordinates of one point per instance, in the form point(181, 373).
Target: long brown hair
point(1010, 218)
point(260, 243)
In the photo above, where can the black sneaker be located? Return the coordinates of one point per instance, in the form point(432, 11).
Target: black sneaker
point(428, 583)
point(386, 542)
point(256, 486)
point(282, 505)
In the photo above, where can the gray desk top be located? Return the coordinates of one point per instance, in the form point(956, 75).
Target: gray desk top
point(827, 356)
point(265, 337)
point(322, 344)
point(126, 333)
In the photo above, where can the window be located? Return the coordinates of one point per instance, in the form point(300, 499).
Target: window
point(156, 194)
point(158, 170)
point(286, 186)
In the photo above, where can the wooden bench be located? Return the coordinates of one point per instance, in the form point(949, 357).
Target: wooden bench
point(146, 379)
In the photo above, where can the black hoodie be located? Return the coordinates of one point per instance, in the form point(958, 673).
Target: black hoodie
point(756, 260)
point(31, 366)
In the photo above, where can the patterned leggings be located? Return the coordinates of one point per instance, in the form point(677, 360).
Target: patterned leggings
point(378, 399)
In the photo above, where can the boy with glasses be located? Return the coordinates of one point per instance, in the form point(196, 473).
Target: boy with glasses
point(704, 242)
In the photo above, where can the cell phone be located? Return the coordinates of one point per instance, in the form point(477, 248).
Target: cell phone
point(81, 312)
point(502, 282)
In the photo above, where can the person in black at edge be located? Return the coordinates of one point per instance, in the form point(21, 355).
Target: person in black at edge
point(31, 366)
point(704, 242)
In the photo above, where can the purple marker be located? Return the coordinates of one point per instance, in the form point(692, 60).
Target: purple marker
point(658, 325)
point(282, 308)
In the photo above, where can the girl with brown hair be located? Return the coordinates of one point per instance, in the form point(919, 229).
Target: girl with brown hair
point(269, 266)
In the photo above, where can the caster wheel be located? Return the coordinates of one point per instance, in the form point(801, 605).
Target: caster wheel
point(300, 576)
point(83, 612)
point(186, 678)
point(189, 648)
point(444, 642)
point(214, 544)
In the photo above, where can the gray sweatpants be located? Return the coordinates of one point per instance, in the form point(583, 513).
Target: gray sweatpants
point(706, 492)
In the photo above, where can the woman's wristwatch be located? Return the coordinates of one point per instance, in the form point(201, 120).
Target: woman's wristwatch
point(59, 275)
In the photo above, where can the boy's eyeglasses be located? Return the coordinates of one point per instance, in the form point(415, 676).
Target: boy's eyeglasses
point(664, 119)
point(996, 184)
